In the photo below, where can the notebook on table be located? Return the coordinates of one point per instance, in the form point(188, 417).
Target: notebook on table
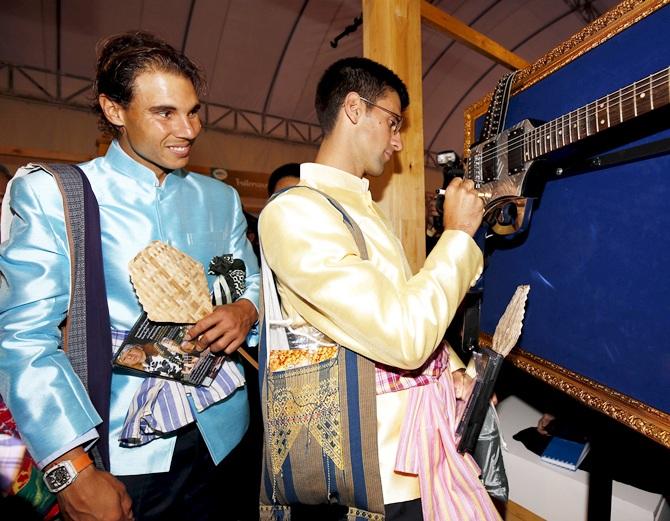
point(565, 453)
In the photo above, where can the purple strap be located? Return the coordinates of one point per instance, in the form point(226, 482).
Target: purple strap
point(98, 331)
point(89, 341)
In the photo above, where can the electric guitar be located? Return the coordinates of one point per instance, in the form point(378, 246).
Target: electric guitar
point(499, 166)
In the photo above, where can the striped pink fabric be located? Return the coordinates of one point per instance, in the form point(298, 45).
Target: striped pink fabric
point(391, 379)
point(449, 481)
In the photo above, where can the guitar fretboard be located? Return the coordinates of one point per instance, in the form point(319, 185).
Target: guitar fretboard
point(650, 93)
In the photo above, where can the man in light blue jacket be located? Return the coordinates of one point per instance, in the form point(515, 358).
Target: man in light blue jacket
point(147, 97)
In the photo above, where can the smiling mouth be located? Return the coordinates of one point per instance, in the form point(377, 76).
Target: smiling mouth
point(180, 150)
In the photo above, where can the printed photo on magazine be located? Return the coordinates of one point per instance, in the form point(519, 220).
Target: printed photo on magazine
point(159, 349)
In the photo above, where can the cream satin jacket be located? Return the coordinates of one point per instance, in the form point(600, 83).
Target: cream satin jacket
point(375, 307)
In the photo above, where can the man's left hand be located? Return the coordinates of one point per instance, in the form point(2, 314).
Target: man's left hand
point(463, 384)
point(225, 328)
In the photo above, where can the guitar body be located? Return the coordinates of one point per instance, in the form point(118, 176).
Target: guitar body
point(498, 167)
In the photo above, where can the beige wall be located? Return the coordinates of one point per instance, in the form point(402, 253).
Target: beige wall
point(38, 125)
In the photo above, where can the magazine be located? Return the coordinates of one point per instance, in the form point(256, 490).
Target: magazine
point(159, 349)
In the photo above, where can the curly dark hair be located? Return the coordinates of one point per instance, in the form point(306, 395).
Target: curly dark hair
point(355, 74)
point(122, 57)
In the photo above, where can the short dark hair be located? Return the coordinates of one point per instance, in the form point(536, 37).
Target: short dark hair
point(123, 56)
point(287, 170)
point(355, 74)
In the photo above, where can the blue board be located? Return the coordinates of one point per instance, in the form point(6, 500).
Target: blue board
point(597, 252)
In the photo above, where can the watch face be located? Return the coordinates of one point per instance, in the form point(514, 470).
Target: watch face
point(60, 476)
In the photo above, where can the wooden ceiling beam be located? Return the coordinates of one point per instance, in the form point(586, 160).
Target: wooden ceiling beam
point(468, 36)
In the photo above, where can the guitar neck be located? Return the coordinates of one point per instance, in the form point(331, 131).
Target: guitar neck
point(643, 96)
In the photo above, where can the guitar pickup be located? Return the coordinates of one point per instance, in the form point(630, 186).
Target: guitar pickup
point(489, 162)
point(515, 145)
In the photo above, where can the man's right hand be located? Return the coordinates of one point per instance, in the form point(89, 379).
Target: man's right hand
point(95, 496)
point(463, 208)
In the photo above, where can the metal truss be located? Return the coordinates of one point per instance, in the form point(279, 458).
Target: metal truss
point(72, 91)
point(58, 88)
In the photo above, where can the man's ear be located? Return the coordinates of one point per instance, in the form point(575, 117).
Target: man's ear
point(353, 107)
point(112, 110)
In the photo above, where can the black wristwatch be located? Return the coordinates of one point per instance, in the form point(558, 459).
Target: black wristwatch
point(64, 473)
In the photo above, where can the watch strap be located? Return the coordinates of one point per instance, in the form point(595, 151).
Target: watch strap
point(62, 474)
point(81, 462)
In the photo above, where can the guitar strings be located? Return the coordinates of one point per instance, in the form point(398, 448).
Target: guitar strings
point(625, 94)
point(547, 127)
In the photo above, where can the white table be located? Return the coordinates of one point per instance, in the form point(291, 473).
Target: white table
point(558, 494)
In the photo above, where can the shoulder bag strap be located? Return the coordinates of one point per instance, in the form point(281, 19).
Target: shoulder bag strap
point(348, 220)
point(87, 335)
point(271, 309)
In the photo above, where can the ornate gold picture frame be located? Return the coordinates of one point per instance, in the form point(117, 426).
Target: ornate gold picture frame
point(637, 415)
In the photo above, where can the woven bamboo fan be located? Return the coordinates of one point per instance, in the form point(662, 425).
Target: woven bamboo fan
point(171, 285)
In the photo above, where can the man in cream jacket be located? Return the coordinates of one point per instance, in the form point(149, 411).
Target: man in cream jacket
point(377, 307)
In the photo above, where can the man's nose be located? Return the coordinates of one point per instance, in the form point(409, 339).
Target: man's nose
point(188, 127)
point(396, 142)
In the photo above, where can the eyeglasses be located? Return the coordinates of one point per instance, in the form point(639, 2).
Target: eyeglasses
point(397, 118)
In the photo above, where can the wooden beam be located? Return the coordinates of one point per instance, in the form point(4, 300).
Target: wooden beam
point(515, 512)
point(29, 154)
point(469, 37)
point(392, 36)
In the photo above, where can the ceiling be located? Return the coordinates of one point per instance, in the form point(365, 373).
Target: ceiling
point(263, 58)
